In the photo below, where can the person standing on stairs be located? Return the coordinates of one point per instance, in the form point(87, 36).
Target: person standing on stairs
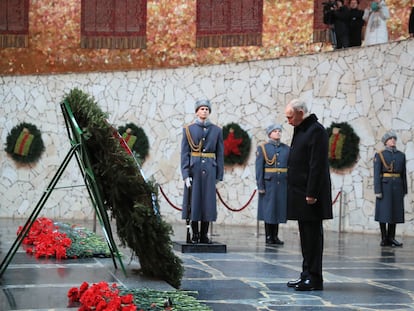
point(202, 166)
point(390, 187)
point(271, 180)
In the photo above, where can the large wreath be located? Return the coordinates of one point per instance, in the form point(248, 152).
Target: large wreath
point(343, 145)
point(136, 139)
point(131, 200)
point(236, 144)
point(24, 143)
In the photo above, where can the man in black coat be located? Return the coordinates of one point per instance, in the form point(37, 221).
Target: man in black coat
point(328, 19)
point(355, 23)
point(309, 190)
point(341, 24)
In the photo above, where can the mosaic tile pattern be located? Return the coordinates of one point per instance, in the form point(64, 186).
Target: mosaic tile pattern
point(358, 274)
point(371, 88)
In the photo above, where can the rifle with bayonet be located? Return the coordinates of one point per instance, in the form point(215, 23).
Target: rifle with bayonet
point(187, 219)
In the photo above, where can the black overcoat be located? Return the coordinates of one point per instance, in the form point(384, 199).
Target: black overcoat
point(411, 22)
point(308, 172)
point(341, 25)
point(355, 27)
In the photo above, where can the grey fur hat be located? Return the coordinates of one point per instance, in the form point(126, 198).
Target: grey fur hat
point(273, 127)
point(202, 102)
point(388, 135)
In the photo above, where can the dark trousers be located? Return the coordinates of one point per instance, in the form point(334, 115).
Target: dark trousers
point(311, 240)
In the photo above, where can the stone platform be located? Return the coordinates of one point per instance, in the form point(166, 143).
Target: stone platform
point(359, 274)
point(185, 247)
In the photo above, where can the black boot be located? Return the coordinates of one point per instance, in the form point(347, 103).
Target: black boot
point(384, 236)
point(275, 235)
point(196, 235)
point(204, 233)
point(269, 234)
point(391, 236)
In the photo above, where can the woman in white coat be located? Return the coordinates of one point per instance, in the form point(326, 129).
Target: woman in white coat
point(376, 16)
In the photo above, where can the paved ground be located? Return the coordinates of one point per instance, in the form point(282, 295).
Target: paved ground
point(358, 273)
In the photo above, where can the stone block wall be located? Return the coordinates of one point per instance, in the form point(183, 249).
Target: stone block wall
point(371, 88)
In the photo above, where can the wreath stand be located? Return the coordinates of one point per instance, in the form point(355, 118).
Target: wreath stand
point(78, 149)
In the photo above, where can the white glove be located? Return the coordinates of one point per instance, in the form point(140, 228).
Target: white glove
point(188, 182)
point(378, 195)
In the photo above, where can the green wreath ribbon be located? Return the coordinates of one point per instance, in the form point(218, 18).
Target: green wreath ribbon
point(136, 139)
point(343, 145)
point(129, 139)
point(24, 143)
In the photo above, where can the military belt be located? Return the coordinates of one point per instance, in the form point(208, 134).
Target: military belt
point(275, 170)
point(391, 175)
point(203, 154)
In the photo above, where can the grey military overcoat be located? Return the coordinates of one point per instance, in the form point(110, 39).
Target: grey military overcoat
point(391, 181)
point(272, 178)
point(205, 165)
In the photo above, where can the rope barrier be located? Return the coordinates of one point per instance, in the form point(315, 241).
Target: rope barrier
point(336, 198)
point(226, 205)
point(236, 210)
point(219, 196)
point(168, 200)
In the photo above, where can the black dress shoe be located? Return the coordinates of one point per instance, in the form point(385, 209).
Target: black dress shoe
point(279, 242)
point(308, 285)
point(195, 238)
point(205, 240)
point(294, 283)
point(385, 242)
point(394, 242)
point(269, 240)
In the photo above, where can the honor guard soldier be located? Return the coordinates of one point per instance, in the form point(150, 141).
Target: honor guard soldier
point(202, 166)
point(390, 186)
point(271, 180)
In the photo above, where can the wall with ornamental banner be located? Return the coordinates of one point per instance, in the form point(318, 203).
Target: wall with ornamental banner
point(371, 89)
point(94, 36)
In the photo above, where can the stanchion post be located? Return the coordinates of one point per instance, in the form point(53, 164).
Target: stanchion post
point(340, 211)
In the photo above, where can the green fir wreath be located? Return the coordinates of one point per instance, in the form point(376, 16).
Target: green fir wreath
point(343, 145)
point(136, 139)
point(236, 144)
point(128, 196)
point(24, 143)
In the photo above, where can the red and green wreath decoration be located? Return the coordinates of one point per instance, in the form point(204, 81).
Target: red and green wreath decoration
point(136, 139)
point(236, 144)
point(343, 145)
point(24, 143)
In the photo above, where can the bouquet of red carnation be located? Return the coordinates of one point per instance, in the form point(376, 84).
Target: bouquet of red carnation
point(46, 239)
point(100, 297)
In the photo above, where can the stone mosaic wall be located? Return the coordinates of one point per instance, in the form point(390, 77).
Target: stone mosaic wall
point(370, 88)
point(55, 35)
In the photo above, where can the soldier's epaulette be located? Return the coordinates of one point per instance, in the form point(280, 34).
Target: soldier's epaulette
point(385, 164)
